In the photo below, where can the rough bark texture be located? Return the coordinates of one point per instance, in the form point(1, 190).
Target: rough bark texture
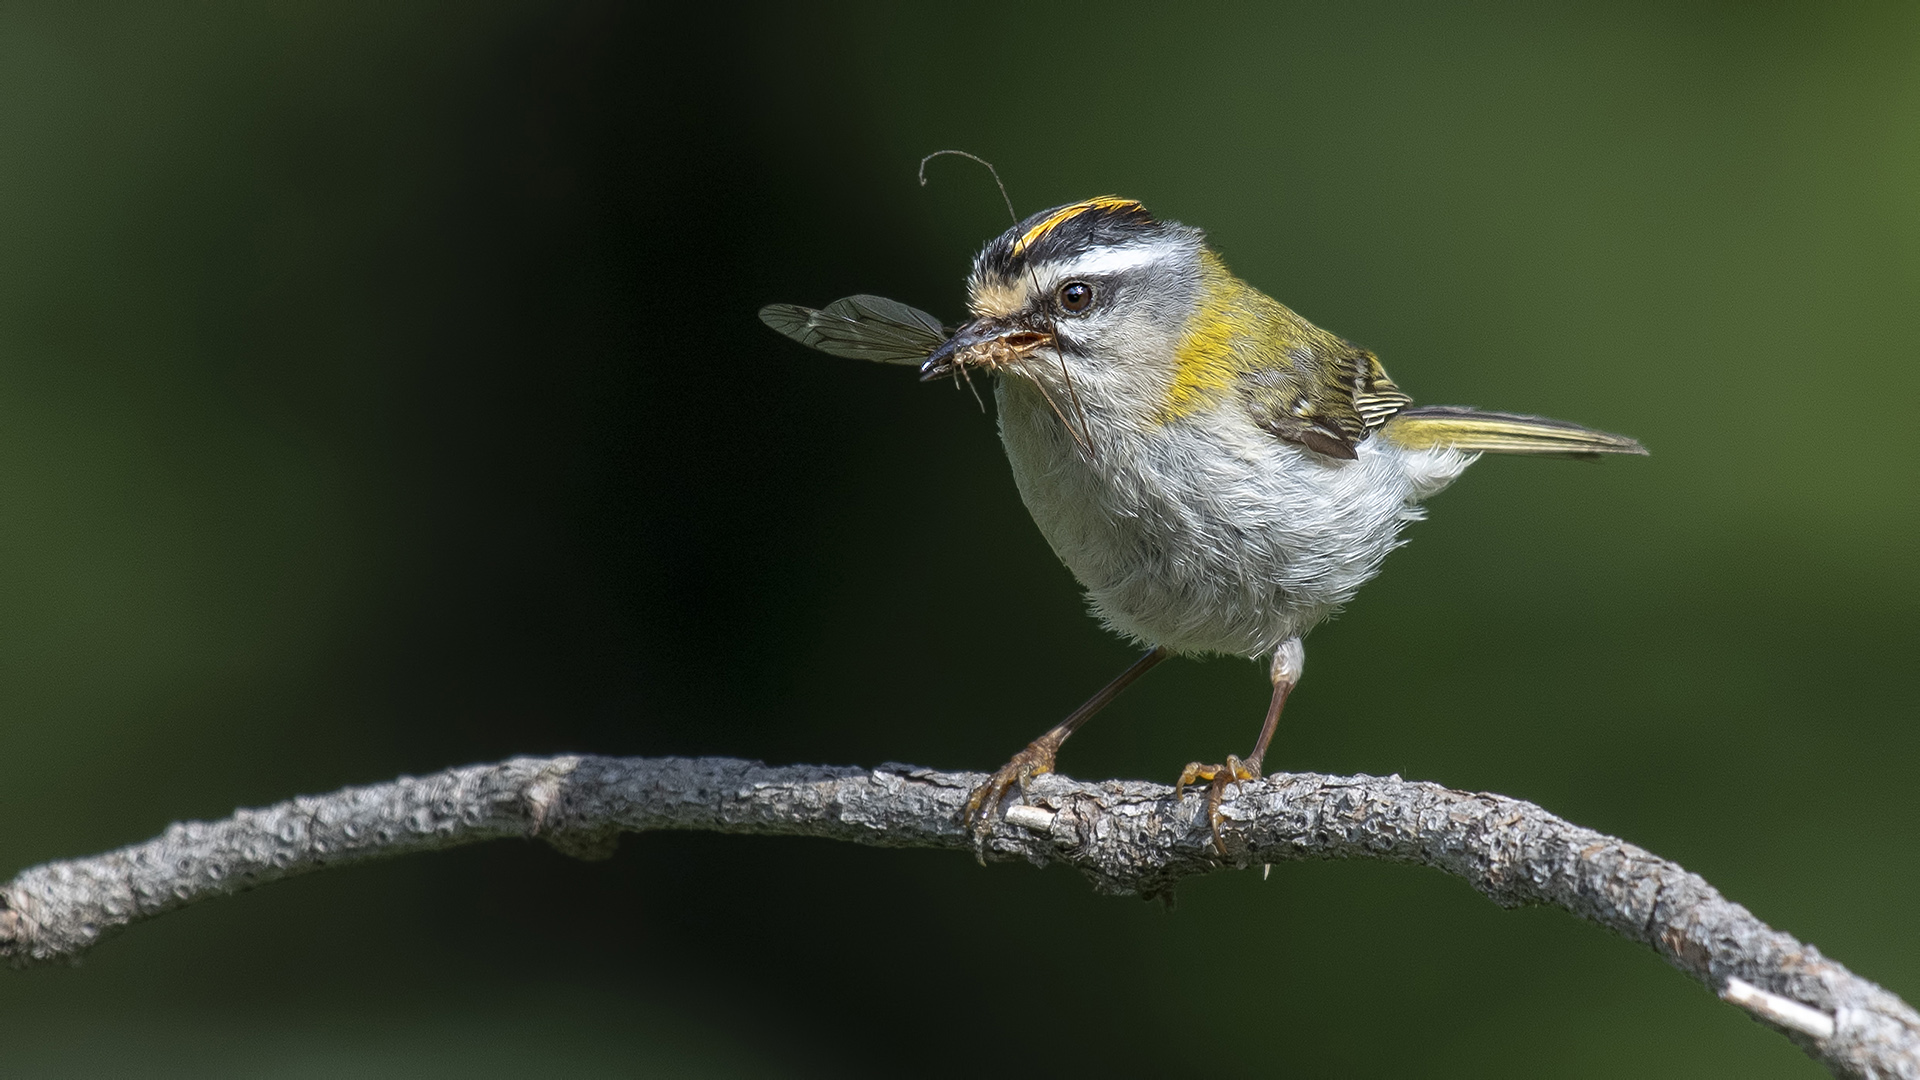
point(1126, 836)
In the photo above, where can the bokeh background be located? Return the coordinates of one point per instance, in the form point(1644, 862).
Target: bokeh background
point(380, 390)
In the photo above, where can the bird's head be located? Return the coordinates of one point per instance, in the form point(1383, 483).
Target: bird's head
point(1096, 292)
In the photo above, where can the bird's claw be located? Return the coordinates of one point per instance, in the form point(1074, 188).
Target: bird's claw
point(1218, 777)
point(985, 800)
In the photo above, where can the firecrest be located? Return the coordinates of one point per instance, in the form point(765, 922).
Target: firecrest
point(1220, 474)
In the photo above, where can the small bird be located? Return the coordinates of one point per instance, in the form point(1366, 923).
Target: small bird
point(1220, 474)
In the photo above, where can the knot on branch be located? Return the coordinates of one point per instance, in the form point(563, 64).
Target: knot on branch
point(553, 818)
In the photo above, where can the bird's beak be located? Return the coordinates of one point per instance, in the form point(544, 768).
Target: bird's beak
point(987, 343)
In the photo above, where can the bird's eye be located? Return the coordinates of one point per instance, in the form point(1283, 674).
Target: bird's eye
point(1076, 296)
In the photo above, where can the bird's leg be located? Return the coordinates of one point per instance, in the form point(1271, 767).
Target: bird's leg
point(1288, 662)
point(1038, 757)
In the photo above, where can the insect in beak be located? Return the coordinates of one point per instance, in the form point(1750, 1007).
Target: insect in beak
point(991, 345)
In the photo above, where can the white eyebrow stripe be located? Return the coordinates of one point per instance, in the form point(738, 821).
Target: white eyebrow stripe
point(1101, 260)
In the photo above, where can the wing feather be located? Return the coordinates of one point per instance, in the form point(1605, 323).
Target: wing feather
point(1330, 396)
point(1481, 431)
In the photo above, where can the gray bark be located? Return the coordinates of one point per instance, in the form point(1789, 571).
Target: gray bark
point(1126, 836)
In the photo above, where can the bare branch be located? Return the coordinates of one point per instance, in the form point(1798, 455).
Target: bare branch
point(1126, 836)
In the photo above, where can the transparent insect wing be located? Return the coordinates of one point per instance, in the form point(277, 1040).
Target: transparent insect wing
point(860, 328)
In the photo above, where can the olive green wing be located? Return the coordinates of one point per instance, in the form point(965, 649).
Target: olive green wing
point(1327, 397)
point(1482, 432)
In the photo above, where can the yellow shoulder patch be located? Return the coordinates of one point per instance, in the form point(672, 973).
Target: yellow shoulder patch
point(1067, 213)
point(1203, 361)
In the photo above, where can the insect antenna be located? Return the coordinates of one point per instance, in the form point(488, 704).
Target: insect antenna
point(1082, 443)
point(1083, 436)
point(966, 377)
point(995, 173)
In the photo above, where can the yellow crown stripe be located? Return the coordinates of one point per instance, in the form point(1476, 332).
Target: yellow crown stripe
point(1067, 213)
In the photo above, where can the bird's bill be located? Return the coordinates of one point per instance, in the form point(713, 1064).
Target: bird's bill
point(986, 343)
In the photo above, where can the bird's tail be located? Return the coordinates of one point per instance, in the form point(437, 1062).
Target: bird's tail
point(1501, 433)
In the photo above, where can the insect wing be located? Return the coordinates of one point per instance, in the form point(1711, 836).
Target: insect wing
point(860, 328)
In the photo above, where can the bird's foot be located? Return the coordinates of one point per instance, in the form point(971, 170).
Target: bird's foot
point(1219, 776)
point(984, 804)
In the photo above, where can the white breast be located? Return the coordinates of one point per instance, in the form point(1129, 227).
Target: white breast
point(1210, 535)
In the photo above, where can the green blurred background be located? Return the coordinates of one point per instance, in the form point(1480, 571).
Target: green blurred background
point(380, 390)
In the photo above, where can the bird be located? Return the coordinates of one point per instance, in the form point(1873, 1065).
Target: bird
point(1218, 473)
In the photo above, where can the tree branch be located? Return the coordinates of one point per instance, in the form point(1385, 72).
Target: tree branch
point(1126, 836)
